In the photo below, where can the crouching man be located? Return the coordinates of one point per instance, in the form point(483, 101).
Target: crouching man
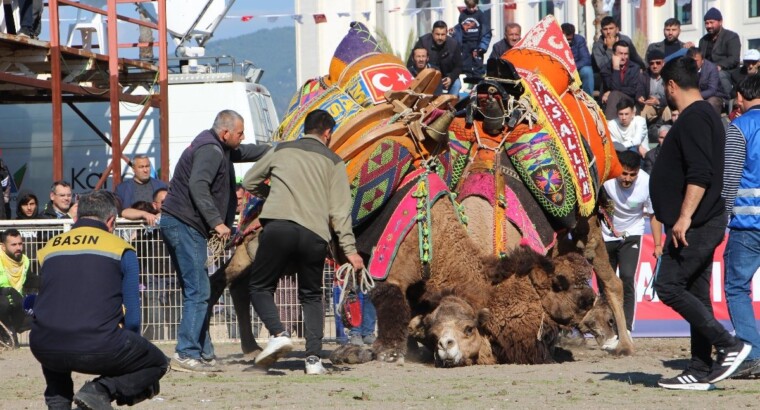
point(87, 315)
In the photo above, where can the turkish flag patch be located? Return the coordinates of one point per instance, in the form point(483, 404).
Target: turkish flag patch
point(385, 77)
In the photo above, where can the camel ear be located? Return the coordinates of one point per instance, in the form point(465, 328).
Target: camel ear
point(560, 283)
point(416, 327)
point(484, 315)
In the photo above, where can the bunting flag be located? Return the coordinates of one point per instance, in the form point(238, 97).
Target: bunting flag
point(272, 19)
point(366, 15)
point(344, 14)
point(320, 18)
point(246, 18)
point(510, 6)
point(298, 18)
point(659, 3)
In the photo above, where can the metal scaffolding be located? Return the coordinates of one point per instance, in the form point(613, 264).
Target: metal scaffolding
point(34, 71)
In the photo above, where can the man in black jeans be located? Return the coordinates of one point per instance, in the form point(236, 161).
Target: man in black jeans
point(309, 193)
point(31, 18)
point(87, 315)
point(685, 186)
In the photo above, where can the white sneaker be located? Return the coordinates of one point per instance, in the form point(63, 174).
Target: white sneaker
point(314, 365)
point(277, 347)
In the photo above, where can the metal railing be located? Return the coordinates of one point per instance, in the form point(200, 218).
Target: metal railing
point(161, 297)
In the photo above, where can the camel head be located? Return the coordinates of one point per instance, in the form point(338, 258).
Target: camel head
point(600, 322)
point(454, 332)
point(571, 296)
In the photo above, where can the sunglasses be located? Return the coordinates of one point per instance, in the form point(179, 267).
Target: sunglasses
point(656, 62)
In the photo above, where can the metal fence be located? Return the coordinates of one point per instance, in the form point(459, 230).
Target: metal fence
point(161, 297)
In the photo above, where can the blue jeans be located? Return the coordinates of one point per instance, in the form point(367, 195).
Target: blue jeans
point(369, 318)
point(188, 250)
point(742, 259)
point(587, 79)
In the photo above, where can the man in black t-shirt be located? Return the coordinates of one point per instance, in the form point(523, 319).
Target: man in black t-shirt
point(685, 187)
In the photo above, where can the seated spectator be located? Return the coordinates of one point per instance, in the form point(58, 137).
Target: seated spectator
point(27, 205)
point(750, 65)
point(512, 35)
point(60, 203)
point(581, 56)
point(604, 48)
point(650, 94)
point(142, 186)
point(629, 129)
point(420, 61)
point(671, 43)
point(709, 82)
point(14, 267)
point(651, 156)
point(621, 79)
point(158, 198)
point(444, 53)
point(720, 46)
point(673, 116)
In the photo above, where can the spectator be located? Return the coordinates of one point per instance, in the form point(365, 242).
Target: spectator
point(5, 191)
point(240, 194)
point(420, 60)
point(721, 47)
point(750, 65)
point(740, 187)
point(309, 195)
point(629, 194)
point(709, 81)
point(621, 79)
point(14, 267)
point(142, 186)
point(158, 198)
point(650, 94)
point(671, 43)
point(365, 333)
point(445, 55)
point(603, 49)
point(512, 35)
point(581, 56)
point(629, 129)
point(651, 156)
point(473, 33)
point(31, 18)
point(87, 320)
point(59, 206)
point(27, 205)
point(201, 202)
point(685, 187)
point(674, 116)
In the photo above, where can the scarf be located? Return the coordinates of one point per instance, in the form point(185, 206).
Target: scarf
point(13, 270)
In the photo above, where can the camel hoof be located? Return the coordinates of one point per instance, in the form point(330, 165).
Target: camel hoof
point(391, 357)
point(351, 354)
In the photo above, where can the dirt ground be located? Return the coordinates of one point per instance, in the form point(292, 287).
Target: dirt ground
point(593, 380)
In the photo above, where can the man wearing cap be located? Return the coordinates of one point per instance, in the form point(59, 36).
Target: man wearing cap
point(720, 46)
point(750, 66)
point(671, 43)
point(650, 94)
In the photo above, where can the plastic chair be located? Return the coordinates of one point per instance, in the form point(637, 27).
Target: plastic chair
point(90, 25)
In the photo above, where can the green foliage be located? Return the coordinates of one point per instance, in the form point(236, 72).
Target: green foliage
point(386, 47)
point(274, 51)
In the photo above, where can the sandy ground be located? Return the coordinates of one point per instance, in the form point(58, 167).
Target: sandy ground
point(593, 380)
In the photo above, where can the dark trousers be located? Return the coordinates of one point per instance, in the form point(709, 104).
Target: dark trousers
point(683, 283)
point(31, 16)
point(12, 309)
point(130, 374)
point(624, 256)
point(281, 243)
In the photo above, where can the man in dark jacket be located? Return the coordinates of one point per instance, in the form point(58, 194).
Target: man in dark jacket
point(604, 48)
point(671, 43)
point(201, 202)
point(650, 94)
point(142, 186)
point(87, 318)
point(581, 56)
point(60, 203)
point(721, 47)
point(444, 53)
point(620, 77)
point(512, 34)
point(473, 33)
point(709, 81)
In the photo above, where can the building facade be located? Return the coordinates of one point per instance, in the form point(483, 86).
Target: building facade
point(399, 20)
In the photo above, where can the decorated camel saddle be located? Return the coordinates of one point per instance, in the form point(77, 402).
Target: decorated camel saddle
point(532, 138)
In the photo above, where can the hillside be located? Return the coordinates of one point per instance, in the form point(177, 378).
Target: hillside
point(273, 50)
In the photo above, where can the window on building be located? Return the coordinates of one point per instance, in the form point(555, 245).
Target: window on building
point(545, 8)
point(683, 12)
point(754, 43)
point(427, 17)
point(754, 8)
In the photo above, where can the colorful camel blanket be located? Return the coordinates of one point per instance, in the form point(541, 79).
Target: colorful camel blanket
point(403, 218)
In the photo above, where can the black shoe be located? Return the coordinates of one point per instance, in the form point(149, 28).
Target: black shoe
point(729, 359)
point(688, 380)
point(93, 396)
point(749, 369)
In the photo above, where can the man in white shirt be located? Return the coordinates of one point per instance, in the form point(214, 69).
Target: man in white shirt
point(630, 195)
point(629, 129)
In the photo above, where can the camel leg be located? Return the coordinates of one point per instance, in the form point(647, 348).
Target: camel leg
point(241, 300)
point(393, 316)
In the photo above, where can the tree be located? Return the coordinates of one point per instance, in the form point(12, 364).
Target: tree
point(599, 14)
